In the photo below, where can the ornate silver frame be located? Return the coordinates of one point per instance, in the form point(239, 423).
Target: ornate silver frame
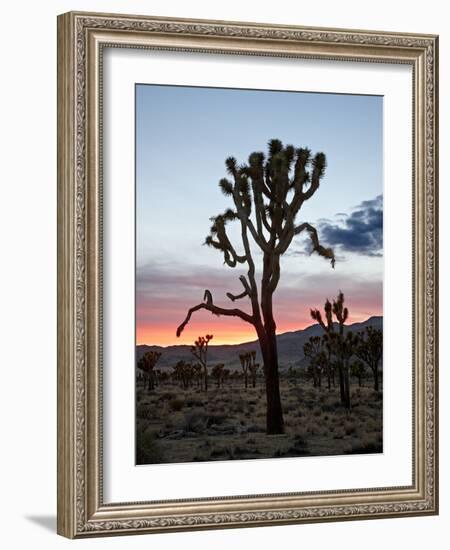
point(81, 510)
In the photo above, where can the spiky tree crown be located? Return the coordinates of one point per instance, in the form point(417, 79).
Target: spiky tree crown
point(273, 189)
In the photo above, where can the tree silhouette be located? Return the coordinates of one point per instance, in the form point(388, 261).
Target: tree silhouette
point(243, 358)
point(358, 369)
point(218, 372)
point(200, 351)
point(184, 372)
point(341, 346)
point(370, 350)
point(314, 350)
point(267, 195)
point(249, 367)
point(330, 366)
point(147, 363)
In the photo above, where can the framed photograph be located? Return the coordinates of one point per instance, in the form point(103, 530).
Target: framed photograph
point(247, 287)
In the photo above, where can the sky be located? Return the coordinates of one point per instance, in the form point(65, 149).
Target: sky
point(183, 136)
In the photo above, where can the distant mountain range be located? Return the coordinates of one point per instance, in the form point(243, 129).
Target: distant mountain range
point(290, 347)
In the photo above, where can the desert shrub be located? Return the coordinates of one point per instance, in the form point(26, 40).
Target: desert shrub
point(143, 410)
point(330, 407)
point(195, 421)
point(372, 425)
point(367, 444)
point(349, 428)
point(217, 452)
point(289, 407)
point(167, 396)
point(313, 428)
point(176, 404)
point(215, 419)
point(300, 440)
point(239, 451)
point(317, 411)
point(255, 429)
point(148, 449)
point(194, 402)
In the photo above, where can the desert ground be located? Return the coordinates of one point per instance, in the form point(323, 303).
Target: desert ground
point(228, 423)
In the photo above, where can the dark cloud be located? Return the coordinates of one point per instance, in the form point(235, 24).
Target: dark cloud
point(360, 232)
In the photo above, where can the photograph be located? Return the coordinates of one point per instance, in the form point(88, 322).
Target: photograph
point(247, 264)
point(258, 274)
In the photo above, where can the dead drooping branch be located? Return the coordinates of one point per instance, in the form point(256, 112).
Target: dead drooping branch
point(317, 247)
point(216, 310)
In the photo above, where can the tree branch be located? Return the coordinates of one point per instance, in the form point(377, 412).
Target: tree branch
point(317, 247)
point(216, 310)
point(246, 292)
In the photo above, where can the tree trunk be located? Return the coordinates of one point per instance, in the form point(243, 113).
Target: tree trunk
point(341, 383)
point(347, 402)
point(274, 419)
point(376, 383)
point(205, 377)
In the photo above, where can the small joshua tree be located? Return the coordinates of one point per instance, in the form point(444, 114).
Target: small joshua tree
point(267, 195)
point(313, 349)
point(330, 366)
point(339, 345)
point(370, 350)
point(184, 373)
point(249, 367)
point(200, 351)
point(146, 364)
point(253, 367)
point(197, 373)
point(358, 369)
point(243, 358)
point(217, 372)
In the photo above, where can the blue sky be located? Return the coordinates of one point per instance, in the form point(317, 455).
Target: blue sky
point(184, 134)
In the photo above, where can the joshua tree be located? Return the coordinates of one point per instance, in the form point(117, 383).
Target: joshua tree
point(218, 373)
point(357, 369)
point(243, 358)
point(267, 195)
point(337, 342)
point(147, 363)
point(292, 374)
point(184, 372)
point(346, 349)
point(370, 350)
point(249, 367)
point(253, 367)
point(200, 351)
point(329, 363)
point(313, 349)
point(197, 373)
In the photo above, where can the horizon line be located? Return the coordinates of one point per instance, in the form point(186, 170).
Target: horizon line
point(256, 339)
